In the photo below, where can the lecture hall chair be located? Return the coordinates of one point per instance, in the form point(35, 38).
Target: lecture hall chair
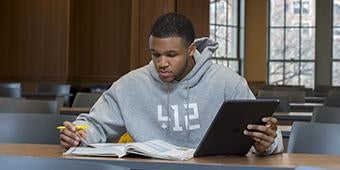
point(314, 138)
point(332, 101)
point(37, 128)
point(10, 85)
point(10, 105)
point(83, 99)
point(326, 114)
point(63, 89)
point(10, 90)
point(293, 96)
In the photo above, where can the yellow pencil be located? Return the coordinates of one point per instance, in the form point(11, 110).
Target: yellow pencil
point(78, 127)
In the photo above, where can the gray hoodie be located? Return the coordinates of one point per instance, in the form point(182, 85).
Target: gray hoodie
point(179, 112)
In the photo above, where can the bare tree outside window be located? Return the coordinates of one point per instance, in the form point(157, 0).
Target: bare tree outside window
point(292, 42)
point(336, 44)
point(224, 29)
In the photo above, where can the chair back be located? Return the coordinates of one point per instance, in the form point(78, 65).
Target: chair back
point(314, 138)
point(323, 90)
point(293, 96)
point(283, 104)
point(10, 85)
point(57, 89)
point(334, 93)
point(326, 114)
point(85, 99)
point(332, 101)
point(283, 87)
point(28, 106)
point(10, 92)
point(29, 128)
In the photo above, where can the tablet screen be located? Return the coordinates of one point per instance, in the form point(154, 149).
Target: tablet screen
point(225, 134)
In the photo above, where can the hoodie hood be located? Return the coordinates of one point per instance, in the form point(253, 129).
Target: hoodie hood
point(205, 47)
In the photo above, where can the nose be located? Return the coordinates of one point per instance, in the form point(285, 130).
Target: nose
point(163, 62)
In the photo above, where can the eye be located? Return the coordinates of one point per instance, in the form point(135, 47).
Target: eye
point(155, 55)
point(172, 54)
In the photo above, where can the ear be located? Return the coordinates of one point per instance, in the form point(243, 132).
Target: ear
point(192, 49)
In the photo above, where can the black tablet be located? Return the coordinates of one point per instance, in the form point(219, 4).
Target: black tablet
point(225, 134)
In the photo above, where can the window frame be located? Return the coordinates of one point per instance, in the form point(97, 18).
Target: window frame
point(335, 26)
point(286, 60)
point(239, 27)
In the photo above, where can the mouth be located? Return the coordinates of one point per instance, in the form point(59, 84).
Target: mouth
point(165, 74)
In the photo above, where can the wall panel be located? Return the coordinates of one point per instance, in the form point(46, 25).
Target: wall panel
point(99, 40)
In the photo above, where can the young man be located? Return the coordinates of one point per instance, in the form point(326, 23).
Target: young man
point(173, 98)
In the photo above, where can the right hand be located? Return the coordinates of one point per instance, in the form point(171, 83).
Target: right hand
point(70, 136)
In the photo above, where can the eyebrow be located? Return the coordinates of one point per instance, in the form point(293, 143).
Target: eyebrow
point(166, 52)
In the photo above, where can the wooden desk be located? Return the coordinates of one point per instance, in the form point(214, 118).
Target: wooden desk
point(303, 107)
point(280, 161)
point(74, 110)
point(314, 99)
point(293, 116)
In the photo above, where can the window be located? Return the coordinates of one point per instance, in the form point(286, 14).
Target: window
point(336, 44)
point(225, 29)
point(305, 7)
point(291, 45)
point(336, 8)
point(305, 29)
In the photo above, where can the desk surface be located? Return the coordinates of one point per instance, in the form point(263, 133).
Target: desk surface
point(314, 99)
point(306, 104)
point(281, 160)
point(293, 116)
point(303, 107)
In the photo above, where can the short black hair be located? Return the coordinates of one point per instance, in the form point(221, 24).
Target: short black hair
point(174, 24)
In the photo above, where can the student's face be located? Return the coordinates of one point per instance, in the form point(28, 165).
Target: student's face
point(172, 59)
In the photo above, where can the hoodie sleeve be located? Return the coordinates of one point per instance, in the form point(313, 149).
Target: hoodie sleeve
point(240, 91)
point(104, 120)
point(276, 147)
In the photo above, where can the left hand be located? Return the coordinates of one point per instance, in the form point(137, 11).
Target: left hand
point(264, 135)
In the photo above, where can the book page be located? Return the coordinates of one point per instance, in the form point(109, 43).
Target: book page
point(99, 149)
point(160, 149)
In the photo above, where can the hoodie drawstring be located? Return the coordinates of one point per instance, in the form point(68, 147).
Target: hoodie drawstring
point(168, 107)
point(187, 112)
point(187, 100)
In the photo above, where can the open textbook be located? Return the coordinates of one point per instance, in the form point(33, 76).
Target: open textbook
point(152, 148)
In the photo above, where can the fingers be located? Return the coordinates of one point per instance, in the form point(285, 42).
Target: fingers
point(271, 122)
point(263, 143)
point(68, 142)
point(263, 135)
point(264, 130)
point(82, 133)
point(68, 125)
point(70, 137)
